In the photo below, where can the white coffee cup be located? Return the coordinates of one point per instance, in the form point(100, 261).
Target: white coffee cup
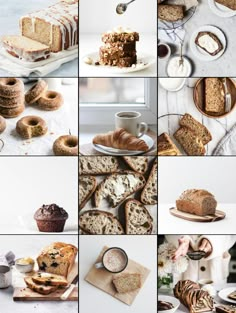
point(114, 260)
point(130, 121)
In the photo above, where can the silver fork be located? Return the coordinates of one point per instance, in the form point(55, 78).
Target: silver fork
point(228, 100)
point(181, 60)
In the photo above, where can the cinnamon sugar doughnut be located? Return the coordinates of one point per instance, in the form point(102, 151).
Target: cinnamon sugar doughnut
point(12, 112)
point(66, 145)
point(35, 92)
point(11, 102)
point(2, 124)
point(11, 87)
point(50, 101)
point(31, 126)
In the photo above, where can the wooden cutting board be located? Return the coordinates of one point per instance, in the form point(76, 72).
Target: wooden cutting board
point(219, 215)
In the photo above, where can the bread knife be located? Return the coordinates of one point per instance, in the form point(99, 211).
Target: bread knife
point(69, 290)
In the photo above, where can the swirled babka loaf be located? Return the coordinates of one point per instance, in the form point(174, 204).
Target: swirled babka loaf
point(55, 26)
point(190, 295)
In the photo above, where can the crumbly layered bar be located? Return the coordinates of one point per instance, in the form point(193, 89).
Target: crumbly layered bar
point(106, 59)
point(55, 26)
point(111, 37)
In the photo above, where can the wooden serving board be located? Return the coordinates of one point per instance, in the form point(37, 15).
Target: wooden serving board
point(219, 215)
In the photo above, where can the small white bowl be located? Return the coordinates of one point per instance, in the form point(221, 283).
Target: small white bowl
point(172, 83)
point(170, 299)
point(24, 268)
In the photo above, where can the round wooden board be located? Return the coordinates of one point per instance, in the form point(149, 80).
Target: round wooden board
point(219, 215)
point(199, 97)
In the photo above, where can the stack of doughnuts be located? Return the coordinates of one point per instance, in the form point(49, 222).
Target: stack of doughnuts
point(11, 97)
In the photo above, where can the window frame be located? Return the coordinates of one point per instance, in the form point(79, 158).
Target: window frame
point(103, 114)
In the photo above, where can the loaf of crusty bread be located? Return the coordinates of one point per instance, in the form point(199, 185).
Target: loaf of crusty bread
point(57, 258)
point(97, 165)
point(127, 282)
point(138, 219)
point(87, 185)
point(214, 96)
point(170, 13)
point(166, 146)
point(96, 222)
point(149, 193)
point(117, 187)
point(137, 163)
point(197, 201)
point(39, 288)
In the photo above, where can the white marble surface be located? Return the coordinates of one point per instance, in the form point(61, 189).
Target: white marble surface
point(181, 102)
point(9, 25)
point(142, 249)
point(24, 246)
point(59, 122)
point(90, 43)
point(169, 224)
point(222, 66)
point(28, 183)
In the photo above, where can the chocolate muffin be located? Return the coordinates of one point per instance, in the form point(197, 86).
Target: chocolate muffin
point(51, 218)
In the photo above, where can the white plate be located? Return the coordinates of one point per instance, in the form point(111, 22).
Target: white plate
point(223, 294)
point(170, 299)
point(202, 54)
point(112, 151)
point(220, 10)
point(144, 61)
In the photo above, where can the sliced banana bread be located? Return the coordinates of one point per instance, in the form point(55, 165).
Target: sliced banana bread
point(44, 290)
point(214, 96)
point(170, 13)
point(97, 165)
point(117, 187)
point(48, 279)
point(149, 193)
point(87, 185)
point(190, 142)
point(97, 222)
point(137, 163)
point(138, 219)
point(201, 131)
point(166, 146)
point(127, 282)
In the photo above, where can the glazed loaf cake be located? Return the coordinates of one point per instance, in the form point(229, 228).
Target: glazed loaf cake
point(214, 96)
point(170, 13)
point(197, 201)
point(209, 42)
point(57, 258)
point(55, 26)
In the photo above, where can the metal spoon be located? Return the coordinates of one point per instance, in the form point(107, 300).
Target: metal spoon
point(122, 7)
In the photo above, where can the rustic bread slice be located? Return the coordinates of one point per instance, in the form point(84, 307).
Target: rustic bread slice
point(149, 193)
point(127, 282)
point(231, 4)
point(201, 131)
point(137, 163)
point(170, 13)
point(214, 96)
point(87, 185)
point(44, 290)
point(209, 42)
point(190, 142)
point(166, 146)
point(97, 165)
point(117, 187)
point(97, 222)
point(138, 219)
point(49, 279)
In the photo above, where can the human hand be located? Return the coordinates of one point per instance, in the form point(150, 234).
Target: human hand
point(183, 248)
point(205, 246)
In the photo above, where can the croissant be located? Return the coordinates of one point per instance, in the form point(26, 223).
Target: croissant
point(121, 139)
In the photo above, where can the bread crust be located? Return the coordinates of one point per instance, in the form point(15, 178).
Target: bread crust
point(214, 37)
point(152, 179)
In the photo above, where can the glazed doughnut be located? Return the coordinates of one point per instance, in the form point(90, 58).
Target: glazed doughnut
point(11, 102)
point(2, 124)
point(12, 112)
point(35, 92)
point(31, 126)
point(11, 87)
point(66, 145)
point(50, 101)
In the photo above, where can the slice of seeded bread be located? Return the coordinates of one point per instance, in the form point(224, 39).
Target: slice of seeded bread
point(214, 95)
point(149, 193)
point(127, 282)
point(97, 222)
point(166, 146)
point(231, 4)
point(212, 37)
point(117, 187)
point(44, 290)
point(137, 163)
point(190, 142)
point(138, 219)
point(87, 185)
point(201, 131)
point(97, 165)
point(49, 279)
point(170, 13)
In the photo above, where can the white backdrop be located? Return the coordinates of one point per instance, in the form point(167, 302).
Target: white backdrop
point(97, 16)
point(215, 174)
